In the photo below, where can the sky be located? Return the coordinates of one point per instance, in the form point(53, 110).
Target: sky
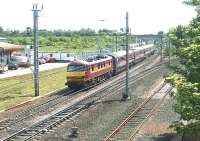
point(145, 16)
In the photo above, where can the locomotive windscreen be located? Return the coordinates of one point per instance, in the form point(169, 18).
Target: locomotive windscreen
point(75, 68)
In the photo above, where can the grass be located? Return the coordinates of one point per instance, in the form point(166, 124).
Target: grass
point(18, 89)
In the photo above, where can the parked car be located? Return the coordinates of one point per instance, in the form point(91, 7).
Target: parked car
point(13, 66)
point(41, 61)
point(20, 61)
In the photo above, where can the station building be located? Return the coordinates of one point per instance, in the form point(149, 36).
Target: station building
point(7, 50)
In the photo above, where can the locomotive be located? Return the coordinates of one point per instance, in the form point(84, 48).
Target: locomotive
point(81, 73)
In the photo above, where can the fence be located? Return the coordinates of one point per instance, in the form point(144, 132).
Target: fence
point(64, 56)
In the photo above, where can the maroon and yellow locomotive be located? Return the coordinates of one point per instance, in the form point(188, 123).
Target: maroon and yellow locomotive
point(83, 73)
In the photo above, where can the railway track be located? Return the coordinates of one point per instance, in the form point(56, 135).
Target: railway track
point(131, 125)
point(52, 121)
point(52, 102)
point(32, 111)
point(35, 109)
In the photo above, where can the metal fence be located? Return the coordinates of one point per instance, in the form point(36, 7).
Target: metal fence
point(65, 56)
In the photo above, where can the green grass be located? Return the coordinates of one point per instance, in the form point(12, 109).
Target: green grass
point(16, 90)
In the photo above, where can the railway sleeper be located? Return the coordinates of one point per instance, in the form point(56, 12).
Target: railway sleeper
point(135, 122)
point(3, 127)
point(118, 138)
point(58, 116)
point(132, 124)
point(142, 113)
point(31, 130)
point(16, 138)
point(124, 131)
point(26, 134)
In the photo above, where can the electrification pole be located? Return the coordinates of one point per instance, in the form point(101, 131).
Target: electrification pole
point(116, 42)
point(125, 95)
point(161, 49)
point(98, 43)
point(169, 52)
point(36, 45)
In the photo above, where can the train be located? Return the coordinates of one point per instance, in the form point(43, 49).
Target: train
point(82, 73)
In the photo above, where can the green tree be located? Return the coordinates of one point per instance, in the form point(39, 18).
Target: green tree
point(186, 79)
point(192, 2)
point(1, 29)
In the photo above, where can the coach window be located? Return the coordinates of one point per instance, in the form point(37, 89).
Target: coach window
point(92, 68)
point(109, 63)
point(101, 65)
point(104, 64)
point(98, 66)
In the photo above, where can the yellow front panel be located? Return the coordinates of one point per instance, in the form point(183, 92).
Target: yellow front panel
point(75, 74)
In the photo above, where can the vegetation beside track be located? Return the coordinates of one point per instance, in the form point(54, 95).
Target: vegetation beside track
point(18, 89)
point(186, 79)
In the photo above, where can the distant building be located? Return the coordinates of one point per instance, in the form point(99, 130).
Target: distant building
point(3, 39)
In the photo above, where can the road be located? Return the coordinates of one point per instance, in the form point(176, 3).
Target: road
point(22, 71)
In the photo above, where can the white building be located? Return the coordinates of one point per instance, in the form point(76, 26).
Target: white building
point(2, 39)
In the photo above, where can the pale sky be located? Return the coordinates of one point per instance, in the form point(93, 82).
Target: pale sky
point(145, 16)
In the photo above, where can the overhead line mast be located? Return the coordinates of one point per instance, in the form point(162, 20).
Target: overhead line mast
point(126, 94)
point(36, 45)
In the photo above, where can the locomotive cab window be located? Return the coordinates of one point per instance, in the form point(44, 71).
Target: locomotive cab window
point(73, 67)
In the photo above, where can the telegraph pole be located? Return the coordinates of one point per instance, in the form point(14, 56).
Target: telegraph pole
point(36, 45)
point(126, 95)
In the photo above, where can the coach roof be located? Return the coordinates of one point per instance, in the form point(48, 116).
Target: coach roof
point(92, 61)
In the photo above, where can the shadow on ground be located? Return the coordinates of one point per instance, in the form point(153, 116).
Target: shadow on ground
point(166, 137)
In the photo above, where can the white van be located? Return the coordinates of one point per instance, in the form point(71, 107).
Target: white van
point(20, 60)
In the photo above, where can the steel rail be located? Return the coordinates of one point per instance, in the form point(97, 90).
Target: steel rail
point(91, 101)
point(14, 85)
point(133, 116)
point(12, 121)
point(149, 115)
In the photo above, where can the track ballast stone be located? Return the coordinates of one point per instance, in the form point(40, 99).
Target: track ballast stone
point(97, 121)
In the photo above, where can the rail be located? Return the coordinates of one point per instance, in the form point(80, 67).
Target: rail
point(131, 125)
point(84, 103)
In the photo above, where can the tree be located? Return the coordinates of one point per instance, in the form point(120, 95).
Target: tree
point(187, 94)
point(1, 29)
point(186, 79)
point(192, 2)
point(179, 36)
